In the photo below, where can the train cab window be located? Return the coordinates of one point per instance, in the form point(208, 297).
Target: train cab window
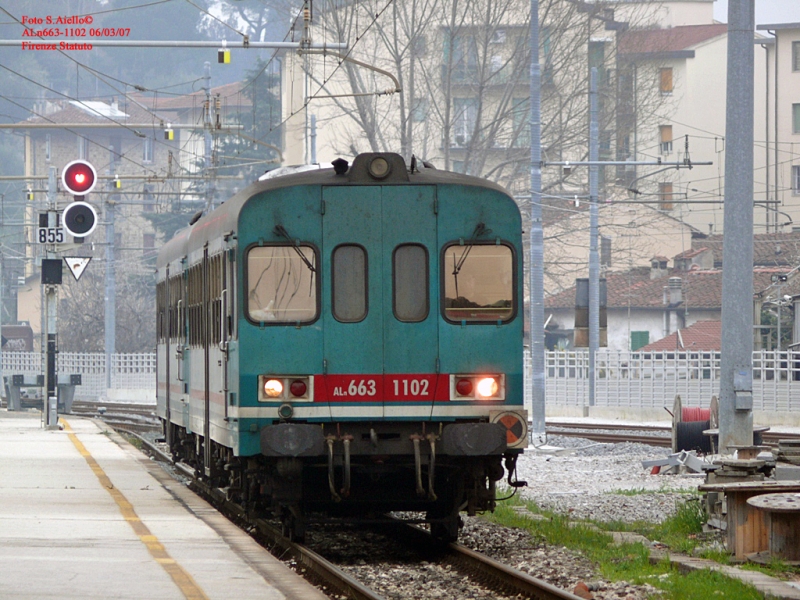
point(410, 288)
point(349, 283)
point(281, 284)
point(478, 283)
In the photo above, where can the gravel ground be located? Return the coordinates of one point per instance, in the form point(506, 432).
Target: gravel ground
point(579, 479)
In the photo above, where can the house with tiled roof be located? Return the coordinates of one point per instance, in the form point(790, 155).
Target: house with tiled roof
point(647, 304)
point(703, 336)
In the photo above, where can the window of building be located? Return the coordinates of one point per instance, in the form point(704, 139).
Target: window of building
point(464, 58)
point(796, 179)
point(349, 283)
point(410, 287)
point(465, 116)
point(639, 339)
point(796, 118)
point(795, 56)
point(665, 81)
point(281, 284)
point(498, 36)
point(148, 199)
point(419, 112)
point(147, 150)
point(83, 148)
point(665, 137)
point(48, 147)
point(148, 243)
point(521, 136)
point(665, 197)
point(478, 283)
point(115, 148)
point(605, 251)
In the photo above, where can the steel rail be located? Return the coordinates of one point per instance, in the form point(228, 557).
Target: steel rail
point(585, 430)
point(322, 572)
point(485, 569)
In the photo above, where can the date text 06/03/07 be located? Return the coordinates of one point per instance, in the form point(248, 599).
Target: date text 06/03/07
point(59, 46)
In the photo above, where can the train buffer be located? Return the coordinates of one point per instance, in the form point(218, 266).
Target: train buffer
point(65, 390)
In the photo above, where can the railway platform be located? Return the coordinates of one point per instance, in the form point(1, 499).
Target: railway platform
point(83, 514)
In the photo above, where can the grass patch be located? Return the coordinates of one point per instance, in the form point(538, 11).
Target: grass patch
point(630, 562)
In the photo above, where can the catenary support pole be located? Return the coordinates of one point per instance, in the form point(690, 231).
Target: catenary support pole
point(536, 266)
point(736, 385)
point(111, 288)
point(594, 259)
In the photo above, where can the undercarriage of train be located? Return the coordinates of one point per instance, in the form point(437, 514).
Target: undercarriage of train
point(348, 479)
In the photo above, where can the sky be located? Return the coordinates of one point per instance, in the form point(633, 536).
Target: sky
point(767, 11)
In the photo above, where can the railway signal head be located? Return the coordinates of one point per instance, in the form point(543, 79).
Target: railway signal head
point(79, 219)
point(79, 177)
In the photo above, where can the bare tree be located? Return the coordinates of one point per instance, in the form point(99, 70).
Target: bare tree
point(81, 309)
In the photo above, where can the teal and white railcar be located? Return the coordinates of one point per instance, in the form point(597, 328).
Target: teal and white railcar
point(348, 340)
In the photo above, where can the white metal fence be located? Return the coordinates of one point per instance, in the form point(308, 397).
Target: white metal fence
point(652, 379)
point(128, 371)
point(623, 379)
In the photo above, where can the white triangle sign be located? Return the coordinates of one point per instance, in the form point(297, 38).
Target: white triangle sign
point(77, 265)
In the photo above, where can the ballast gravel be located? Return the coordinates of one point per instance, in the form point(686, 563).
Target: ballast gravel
point(584, 479)
point(572, 476)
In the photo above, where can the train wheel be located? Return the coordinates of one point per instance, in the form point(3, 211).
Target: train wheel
point(293, 525)
point(445, 527)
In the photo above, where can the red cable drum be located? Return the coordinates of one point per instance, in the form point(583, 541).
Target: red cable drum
point(694, 413)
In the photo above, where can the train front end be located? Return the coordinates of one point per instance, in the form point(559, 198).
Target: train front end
point(380, 341)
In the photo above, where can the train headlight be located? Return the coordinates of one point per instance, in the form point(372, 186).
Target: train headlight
point(273, 388)
point(487, 387)
point(379, 167)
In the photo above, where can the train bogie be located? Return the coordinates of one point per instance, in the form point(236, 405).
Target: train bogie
point(348, 341)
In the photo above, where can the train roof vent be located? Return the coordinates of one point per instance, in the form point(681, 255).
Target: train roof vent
point(382, 167)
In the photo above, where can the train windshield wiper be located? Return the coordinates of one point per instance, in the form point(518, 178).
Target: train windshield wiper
point(279, 230)
point(480, 229)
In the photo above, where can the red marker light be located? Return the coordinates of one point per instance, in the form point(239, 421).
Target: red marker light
point(464, 387)
point(298, 388)
point(79, 177)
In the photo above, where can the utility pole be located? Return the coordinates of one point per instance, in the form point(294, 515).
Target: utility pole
point(209, 187)
point(536, 266)
point(736, 361)
point(111, 286)
point(50, 400)
point(594, 258)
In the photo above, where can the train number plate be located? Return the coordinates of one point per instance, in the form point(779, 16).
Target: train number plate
point(381, 388)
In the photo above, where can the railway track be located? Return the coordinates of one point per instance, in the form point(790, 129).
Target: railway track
point(599, 432)
point(491, 574)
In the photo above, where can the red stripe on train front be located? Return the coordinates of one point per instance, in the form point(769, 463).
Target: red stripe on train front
point(392, 387)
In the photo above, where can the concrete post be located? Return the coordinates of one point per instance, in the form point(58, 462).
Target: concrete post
point(536, 266)
point(594, 257)
point(736, 385)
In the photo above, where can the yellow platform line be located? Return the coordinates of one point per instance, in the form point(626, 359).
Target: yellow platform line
point(182, 579)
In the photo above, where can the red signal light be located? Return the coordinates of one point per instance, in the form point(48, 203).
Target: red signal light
point(79, 177)
point(464, 387)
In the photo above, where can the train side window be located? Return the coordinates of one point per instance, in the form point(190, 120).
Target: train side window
point(281, 284)
point(410, 285)
point(478, 283)
point(349, 283)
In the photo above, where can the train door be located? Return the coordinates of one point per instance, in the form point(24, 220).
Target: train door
point(410, 316)
point(380, 330)
point(206, 343)
point(352, 300)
